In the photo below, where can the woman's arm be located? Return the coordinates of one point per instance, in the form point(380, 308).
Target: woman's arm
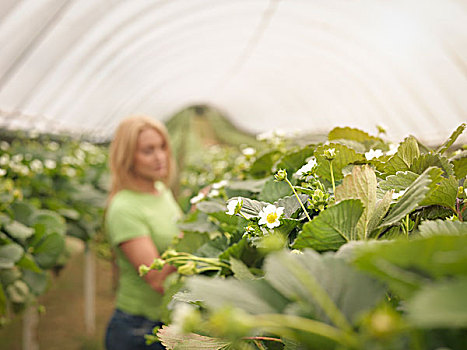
point(141, 250)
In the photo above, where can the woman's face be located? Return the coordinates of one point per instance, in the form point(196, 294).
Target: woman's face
point(150, 160)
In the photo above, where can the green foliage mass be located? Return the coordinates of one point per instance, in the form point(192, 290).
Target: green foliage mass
point(50, 189)
point(363, 249)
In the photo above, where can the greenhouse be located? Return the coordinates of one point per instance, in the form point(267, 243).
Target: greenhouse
point(233, 174)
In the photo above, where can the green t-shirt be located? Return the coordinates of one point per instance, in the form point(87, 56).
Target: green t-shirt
point(134, 214)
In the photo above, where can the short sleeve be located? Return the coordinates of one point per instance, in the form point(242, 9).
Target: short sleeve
point(124, 222)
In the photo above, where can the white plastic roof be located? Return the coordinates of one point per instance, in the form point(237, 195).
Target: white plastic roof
point(82, 65)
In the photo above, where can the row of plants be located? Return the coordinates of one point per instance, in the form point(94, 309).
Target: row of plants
point(50, 187)
point(351, 243)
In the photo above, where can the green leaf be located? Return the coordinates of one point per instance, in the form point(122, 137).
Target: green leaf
point(201, 225)
point(442, 227)
point(18, 292)
point(242, 251)
point(254, 186)
point(440, 305)
point(408, 265)
point(22, 212)
point(332, 228)
point(291, 204)
point(69, 213)
point(173, 340)
point(36, 281)
point(213, 248)
point(48, 250)
point(407, 153)
point(445, 194)
point(432, 160)
point(361, 184)
point(240, 270)
point(381, 208)
point(293, 161)
point(307, 278)
point(263, 165)
point(4, 219)
point(251, 207)
point(254, 297)
point(211, 206)
point(410, 199)
point(460, 166)
point(398, 182)
point(445, 146)
point(9, 255)
point(274, 190)
point(348, 133)
point(18, 230)
point(51, 221)
point(2, 302)
point(292, 345)
point(344, 157)
point(27, 262)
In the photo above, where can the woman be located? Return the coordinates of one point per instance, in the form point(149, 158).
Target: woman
point(141, 223)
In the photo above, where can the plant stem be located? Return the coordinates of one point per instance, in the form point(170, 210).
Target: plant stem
point(278, 324)
point(407, 224)
point(259, 345)
point(264, 338)
point(209, 268)
point(197, 258)
point(459, 211)
point(298, 198)
point(332, 178)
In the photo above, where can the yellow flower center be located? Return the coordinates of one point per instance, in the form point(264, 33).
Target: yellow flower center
point(271, 218)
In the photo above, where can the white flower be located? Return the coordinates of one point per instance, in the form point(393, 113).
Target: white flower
point(307, 167)
point(36, 166)
point(465, 191)
point(372, 153)
point(2, 172)
point(197, 198)
point(70, 172)
point(213, 193)
point(234, 206)
point(219, 185)
point(249, 151)
point(53, 146)
point(4, 145)
point(270, 216)
point(50, 164)
point(4, 159)
point(396, 195)
point(392, 149)
point(17, 158)
point(249, 229)
point(23, 170)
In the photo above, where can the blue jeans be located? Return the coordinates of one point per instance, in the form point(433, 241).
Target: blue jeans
point(126, 332)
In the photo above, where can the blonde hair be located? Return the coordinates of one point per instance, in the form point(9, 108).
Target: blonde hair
point(123, 148)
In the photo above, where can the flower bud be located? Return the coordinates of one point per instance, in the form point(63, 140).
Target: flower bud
point(281, 175)
point(330, 154)
point(143, 270)
point(188, 269)
point(169, 253)
point(157, 264)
